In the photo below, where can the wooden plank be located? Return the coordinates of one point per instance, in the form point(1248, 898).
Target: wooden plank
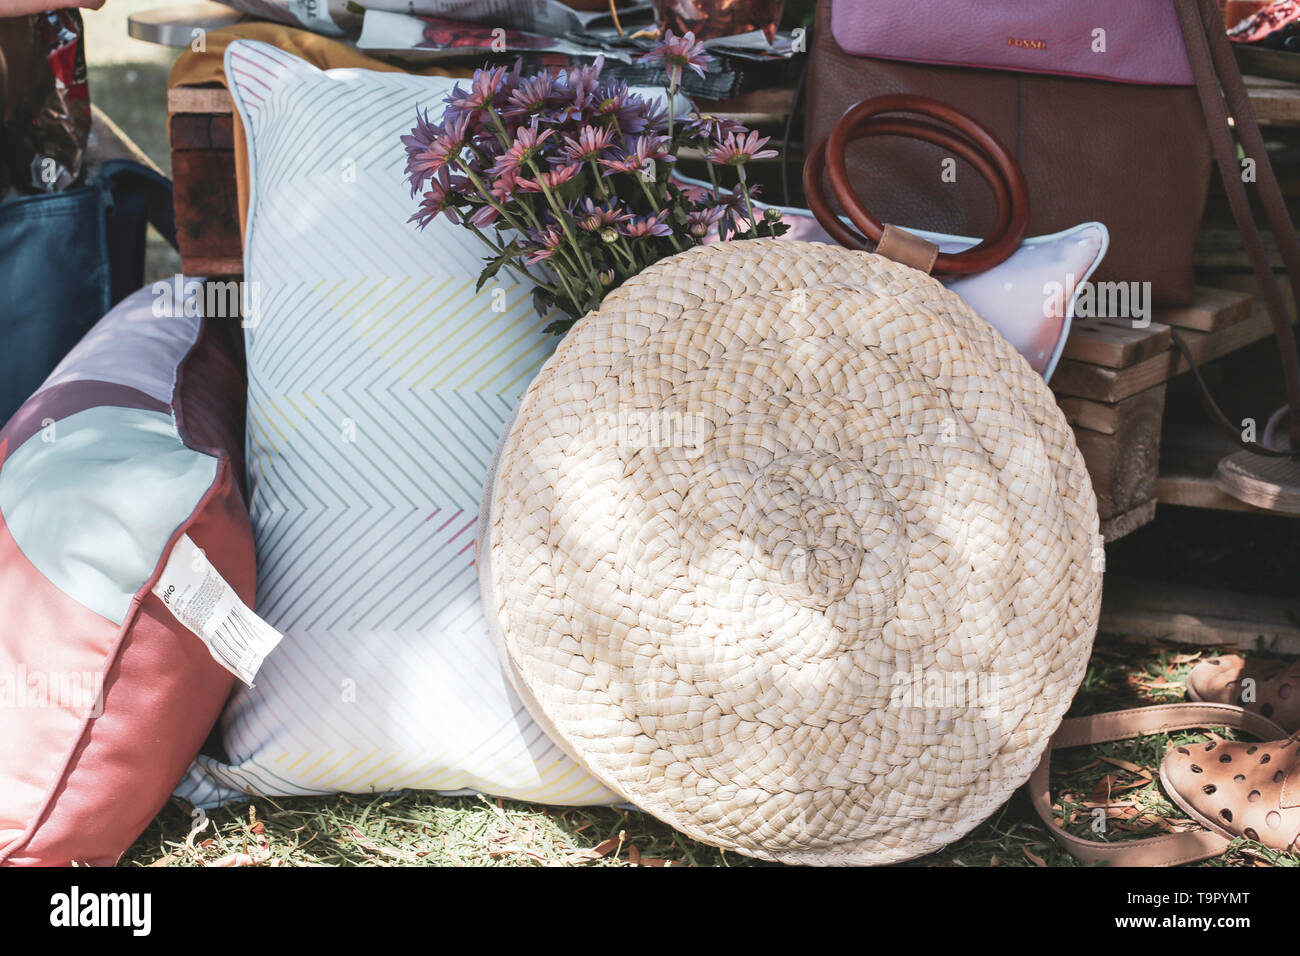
point(1098, 416)
point(199, 99)
point(212, 267)
point(1112, 529)
point(1275, 101)
point(1101, 384)
point(1156, 610)
point(1106, 418)
point(201, 131)
point(1124, 465)
point(206, 205)
point(1114, 343)
point(1209, 310)
point(1199, 491)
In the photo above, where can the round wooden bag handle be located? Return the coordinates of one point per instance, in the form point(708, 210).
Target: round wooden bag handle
point(971, 141)
point(915, 129)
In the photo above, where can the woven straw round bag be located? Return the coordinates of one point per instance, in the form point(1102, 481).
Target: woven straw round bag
point(791, 549)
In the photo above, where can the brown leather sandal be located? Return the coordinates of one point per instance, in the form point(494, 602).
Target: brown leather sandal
point(1238, 789)
point(1276, 689)
point(1181, 783)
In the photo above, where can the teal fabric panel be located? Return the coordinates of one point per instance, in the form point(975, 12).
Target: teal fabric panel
point(93, 499)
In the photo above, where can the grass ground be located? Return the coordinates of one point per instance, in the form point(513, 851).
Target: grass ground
point(128, 80)
point(420, 829)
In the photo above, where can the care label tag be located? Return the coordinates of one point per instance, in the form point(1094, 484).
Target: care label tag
point(201, 599)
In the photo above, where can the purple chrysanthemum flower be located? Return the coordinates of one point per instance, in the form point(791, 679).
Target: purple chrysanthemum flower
point(483, 90)
point(732, 207)
point(715, 128)
point(421, 138)
point(678, 54)
point(624, 109)
point(590, 143)
point(656, 116)
point(551, 179)
point(503, 186)
point(484, 216)
point(640, 226)
point(640, 153)
point(531, 97)
point(544, 244)
point(584, 81)
point(737, 149)
point(575, 91)
point(528, 143)
point(444, 147)
point(592, 217)
point(439, 199)
point(699, 222)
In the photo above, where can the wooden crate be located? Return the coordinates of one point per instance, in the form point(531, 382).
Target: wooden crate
point(1111, 383)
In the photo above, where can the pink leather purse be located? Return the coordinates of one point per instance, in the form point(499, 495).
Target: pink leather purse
point(1125, 41)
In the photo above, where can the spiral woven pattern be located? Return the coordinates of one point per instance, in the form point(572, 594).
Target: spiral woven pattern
point(791, 549)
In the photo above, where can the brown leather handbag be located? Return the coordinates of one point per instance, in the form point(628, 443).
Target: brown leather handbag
point(1120, 138)
point(1155, 187)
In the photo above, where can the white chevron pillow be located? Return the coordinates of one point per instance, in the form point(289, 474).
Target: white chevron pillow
point(378, 383)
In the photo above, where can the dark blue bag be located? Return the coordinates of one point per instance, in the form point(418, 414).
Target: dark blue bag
point(66, 258)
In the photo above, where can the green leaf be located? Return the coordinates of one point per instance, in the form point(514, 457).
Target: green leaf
point(559, 326)
point(543, 303)
point(494, 265)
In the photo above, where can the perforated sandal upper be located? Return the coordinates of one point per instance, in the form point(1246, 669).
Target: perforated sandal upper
point(1267, 687)
point(1240, 789)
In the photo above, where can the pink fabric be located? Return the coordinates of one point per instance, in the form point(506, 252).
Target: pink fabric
point(36, 735)
point(1143, 43)
point(163, 692)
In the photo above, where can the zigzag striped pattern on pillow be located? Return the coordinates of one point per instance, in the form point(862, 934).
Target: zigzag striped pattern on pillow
point(379, 381)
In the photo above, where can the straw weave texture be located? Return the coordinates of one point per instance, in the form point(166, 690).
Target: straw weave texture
point(792, 550)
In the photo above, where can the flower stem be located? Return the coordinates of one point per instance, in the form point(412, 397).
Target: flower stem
point(656, 206)
point(600, 182)
point(563, 220)
point(487, 195)
point(674, 81)
point(749, 206)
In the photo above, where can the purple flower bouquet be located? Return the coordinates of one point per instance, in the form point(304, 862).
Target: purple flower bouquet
point(567, 179)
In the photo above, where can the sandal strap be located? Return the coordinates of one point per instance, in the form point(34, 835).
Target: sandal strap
point(1170, 849)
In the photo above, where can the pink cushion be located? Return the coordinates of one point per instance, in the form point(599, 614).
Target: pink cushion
point(105, 698)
